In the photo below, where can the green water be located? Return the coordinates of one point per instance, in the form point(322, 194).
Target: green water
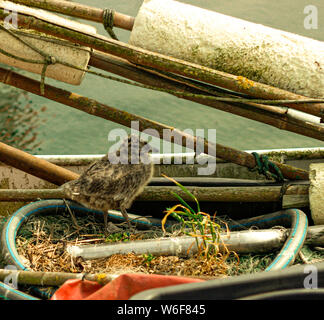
point(68, 131)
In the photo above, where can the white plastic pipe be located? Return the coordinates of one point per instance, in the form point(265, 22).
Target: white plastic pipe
point(240, 242)
point(281, 59)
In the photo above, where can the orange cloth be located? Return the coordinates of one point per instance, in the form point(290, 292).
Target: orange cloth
point(121, 288)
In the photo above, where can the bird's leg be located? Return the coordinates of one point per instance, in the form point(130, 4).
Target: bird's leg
point(125, 215)
point(72, 216)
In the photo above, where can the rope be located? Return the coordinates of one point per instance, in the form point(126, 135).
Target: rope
point(283, 190)
point(264, 165)
point(108, 22)
point(48, 61)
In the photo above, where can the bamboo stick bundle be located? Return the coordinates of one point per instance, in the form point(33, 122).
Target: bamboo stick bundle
point(102, 43)
point(98, 109)
point(278, 117)
point(172, 65)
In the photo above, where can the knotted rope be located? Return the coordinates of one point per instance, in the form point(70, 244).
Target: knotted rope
point(108, 22)
point(264, 165)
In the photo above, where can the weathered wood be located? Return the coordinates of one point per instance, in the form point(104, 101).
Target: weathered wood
point(274, 116)
point(98, 109)
point(168, 64)
point(295, 201)
point(79, 10)
point(12, 195)
point(51, 278)
point(163, 193)
point(316, 192)
point(296, 196)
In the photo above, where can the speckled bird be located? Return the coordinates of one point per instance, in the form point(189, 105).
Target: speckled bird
point(113, 182)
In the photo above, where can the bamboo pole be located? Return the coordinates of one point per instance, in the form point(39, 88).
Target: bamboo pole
point(35, 166)
point(169, 64)
point(79, 10)
point(56, 279)
point(163, 193)
point(275, 116)
point(39, 278)
point(25, 195)
point(98, 109)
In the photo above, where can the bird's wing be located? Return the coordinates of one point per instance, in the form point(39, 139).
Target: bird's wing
point(97, 165)
point(104, 181)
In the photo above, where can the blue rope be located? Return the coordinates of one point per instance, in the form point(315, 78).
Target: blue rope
point(264, 166)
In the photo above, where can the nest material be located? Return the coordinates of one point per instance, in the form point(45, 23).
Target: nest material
point(42, 240)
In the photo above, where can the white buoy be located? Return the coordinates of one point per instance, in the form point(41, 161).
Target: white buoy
point(316, 192)
point(74, 56)
point(60, 50)
point(281, 59)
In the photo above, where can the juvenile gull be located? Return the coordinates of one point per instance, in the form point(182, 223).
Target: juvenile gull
point(114, 181)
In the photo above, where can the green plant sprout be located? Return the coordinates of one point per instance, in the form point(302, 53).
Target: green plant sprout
point(148, 258)
point(200, 224)
point(116, 237)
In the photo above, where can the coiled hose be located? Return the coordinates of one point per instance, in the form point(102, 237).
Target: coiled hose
point(293, 218)
point(9, 293)
point(11, 227)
